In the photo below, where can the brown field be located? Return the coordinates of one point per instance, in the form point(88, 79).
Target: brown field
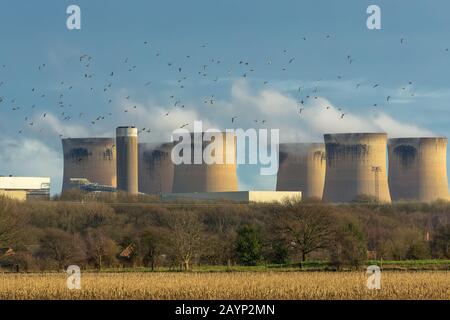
point(244, 285)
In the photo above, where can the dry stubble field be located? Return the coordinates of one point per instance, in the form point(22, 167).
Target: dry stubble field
point(236, 285)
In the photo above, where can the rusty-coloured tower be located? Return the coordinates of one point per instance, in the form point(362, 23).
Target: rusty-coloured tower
point(418, 169)
point(155, 168)
point(89, 158)
point(356, 166)
point(204, 177)
point(302, 168)
point(127, 159)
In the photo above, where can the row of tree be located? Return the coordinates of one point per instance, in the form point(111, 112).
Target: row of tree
point(52, 235)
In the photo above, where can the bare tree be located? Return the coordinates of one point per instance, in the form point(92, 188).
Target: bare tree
point(10, 222)
point(150, 244)
point(306, 228)
point(185, 237)
point(100, 248)
point(61, 247)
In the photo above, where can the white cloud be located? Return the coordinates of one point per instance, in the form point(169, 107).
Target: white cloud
point(51, 125)
point(161, 120)
point(318, 116)
point(397, 129)
point(267, 108)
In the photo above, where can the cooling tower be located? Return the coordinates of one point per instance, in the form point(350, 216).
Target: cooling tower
point(302, 168)
point(418, 169)
point(155, 168)
point(356, 166)
point(91, 158)
point(127, 159)
point(207, 177)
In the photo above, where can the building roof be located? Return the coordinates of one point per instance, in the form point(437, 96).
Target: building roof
point(24, 183)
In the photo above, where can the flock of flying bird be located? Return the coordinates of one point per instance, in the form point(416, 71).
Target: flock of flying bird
point(242, 68)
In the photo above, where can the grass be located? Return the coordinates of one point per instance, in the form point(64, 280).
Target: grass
point(228, 285)
point(388, 265)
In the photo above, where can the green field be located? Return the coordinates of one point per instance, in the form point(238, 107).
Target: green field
point(307, 266)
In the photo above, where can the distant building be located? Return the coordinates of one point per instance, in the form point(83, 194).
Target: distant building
point(127, 159)
point(89, 158)
point(237, 196)
point(216, 173)
point(25, 188)
point(86, 185)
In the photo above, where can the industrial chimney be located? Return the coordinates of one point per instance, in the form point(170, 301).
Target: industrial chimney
point(127, 159)
point(302, 168)
point(155, 168)
point(418, 169)
point(191, 177)
point(356, 166)
point(93, 159)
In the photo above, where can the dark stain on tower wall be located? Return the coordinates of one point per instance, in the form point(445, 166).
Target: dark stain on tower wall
point(155, 157)
point(406, 153)
point(78, 154)
point(336, 151)
point(108, 154)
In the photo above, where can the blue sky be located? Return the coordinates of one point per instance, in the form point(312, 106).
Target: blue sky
point(217, 36)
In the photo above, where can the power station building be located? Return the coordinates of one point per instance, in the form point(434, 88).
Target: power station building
point(345, 167)
point(204, 177)
point(302, 168)
point(25, 188)
point(237, 196)
point(89, 158)
point(155, 168)
point(127, 159)
point(418, 169)
point(355, 166)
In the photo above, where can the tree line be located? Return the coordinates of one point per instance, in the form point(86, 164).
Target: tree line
point(43, 236)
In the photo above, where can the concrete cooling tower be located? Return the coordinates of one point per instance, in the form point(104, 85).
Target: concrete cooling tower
point(207, 177)
point(91, 158)
point(302, 168)
point(356, 165)
point(127, 159)
point(418, 169)
point(155, 168)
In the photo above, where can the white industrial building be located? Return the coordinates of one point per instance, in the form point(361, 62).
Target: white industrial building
point(25, 188)
point(238, 196)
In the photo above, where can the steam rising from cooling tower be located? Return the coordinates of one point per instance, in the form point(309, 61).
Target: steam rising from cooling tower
point(90, 158)
point(155, 168)
point(302, 168)
point(418, 169)
point(127, 159)
point(207, 177)
point(356, 165)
